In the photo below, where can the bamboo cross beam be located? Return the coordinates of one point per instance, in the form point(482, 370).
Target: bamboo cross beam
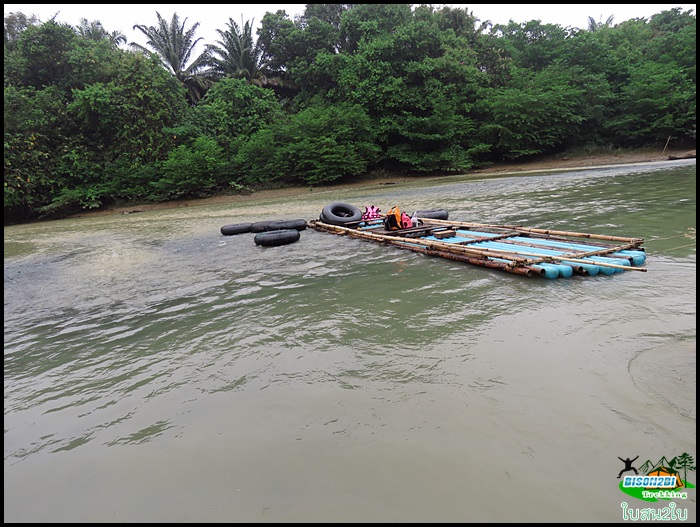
point(564, 255)
point(473, 257)
point(493, 238)
point(636, 241)
point(512, 255)
point(570, 257)
point(475, 260)
point(602, 264)
point(532, 242)
point(575, 257)
point(451, 247)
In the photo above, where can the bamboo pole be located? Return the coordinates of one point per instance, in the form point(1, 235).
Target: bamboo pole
point(565, 255)
point(483, 262)
point(534, 237)
point(449, 247)
point(416, 241)
point(532, 243)
point(575, 258)
point(636, 241)
point(569, 257)
point(512, 255)
point(666, 146)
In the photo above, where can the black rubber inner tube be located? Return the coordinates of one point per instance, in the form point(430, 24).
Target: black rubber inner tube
point(435, 214)
point(339, 213)
point(276, 225)
point(261, 226)
point(299, 225)
point(235, 228)
point(277, 237)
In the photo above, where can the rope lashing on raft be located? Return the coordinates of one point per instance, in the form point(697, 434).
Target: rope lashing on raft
point(687, 235)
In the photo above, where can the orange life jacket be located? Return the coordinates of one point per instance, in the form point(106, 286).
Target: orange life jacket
point(392, 221)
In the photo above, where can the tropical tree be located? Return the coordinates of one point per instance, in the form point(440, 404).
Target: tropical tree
point(366, 21)
point(313, 147)
point(233, 110)
point(537, 112)
point(595, 26)
point(15, 23)
point(532, 45)
point(296, 55)
point(95, 31)
point(659, 100)
point(237, 54)
point(175, 47)
point(41, 56)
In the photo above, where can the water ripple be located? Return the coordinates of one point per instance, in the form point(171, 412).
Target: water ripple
point(151, 346)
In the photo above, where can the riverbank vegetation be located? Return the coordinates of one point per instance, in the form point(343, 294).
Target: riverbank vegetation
point(342, 92)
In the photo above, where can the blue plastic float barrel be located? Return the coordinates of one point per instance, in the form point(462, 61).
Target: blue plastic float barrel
point(548, 271)
point(549, 252)
point(636, 258)
point(552, 270)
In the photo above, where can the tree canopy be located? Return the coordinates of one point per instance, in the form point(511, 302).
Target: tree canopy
point(338, 93)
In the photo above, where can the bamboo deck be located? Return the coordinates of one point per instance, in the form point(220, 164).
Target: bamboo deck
point(515, 249)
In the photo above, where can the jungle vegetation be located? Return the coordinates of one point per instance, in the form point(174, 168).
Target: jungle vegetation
point(342, 92)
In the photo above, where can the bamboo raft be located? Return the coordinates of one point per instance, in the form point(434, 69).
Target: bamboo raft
point(511, 248)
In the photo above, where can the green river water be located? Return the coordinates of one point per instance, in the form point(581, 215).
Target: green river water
point(157, 371)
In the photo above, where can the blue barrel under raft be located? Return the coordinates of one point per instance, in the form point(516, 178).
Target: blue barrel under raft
point(634, 257)
point(563, 269)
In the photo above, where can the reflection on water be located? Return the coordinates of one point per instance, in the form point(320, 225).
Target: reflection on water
point(156, 370)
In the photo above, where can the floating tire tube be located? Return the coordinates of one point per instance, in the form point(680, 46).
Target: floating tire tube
point(260, 226)
point(339, 213)
point(235, 228)
point(298, 225)
point(278, 237)
point(433, 214)
point(277, 225)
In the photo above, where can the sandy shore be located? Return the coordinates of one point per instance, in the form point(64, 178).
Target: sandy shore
point(544, 164)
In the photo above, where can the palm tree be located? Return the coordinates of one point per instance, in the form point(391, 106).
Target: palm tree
point(594, 26)
point(174, 46)
point(237, 54)
point(95, 31)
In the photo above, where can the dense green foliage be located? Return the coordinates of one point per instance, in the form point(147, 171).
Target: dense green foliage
point(340, 92)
